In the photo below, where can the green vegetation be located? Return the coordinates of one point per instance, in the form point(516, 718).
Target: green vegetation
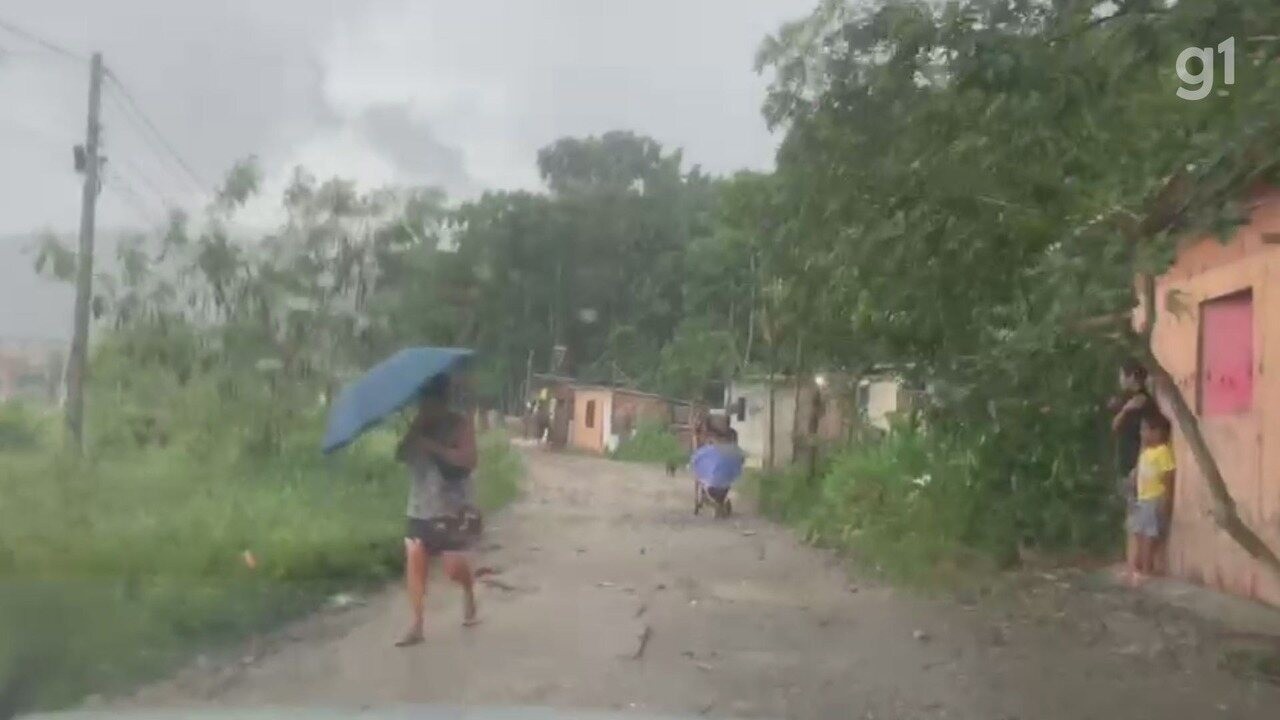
point(117, 569)
point(920, 508)
point(202, 509)
point(651, 443)
point(498, 474)
point(20, 429)
point(967, 191)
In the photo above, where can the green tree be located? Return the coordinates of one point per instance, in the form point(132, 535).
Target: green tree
point(990, 177)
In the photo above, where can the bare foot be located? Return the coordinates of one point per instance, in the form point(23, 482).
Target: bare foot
point(1138, 579)
point(411, 638)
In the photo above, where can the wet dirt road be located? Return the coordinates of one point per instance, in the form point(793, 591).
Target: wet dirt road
point(611, 595)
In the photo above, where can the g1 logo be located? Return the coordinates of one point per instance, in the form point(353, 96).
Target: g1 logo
point(1203, 80)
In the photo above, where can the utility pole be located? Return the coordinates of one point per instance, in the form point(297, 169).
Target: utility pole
point(77, 363)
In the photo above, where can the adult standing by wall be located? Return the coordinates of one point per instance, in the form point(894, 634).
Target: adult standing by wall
point(1126, 422)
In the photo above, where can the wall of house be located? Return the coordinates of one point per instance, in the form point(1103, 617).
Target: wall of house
point(884, 399)
point(753, 429)
point(631, 408)
point(824, 418)
point(833, 409)
point(1239, 407)
point(590, 438)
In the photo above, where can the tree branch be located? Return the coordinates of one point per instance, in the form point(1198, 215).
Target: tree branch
point(1098, 22)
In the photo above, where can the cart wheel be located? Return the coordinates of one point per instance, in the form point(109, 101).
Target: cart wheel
point(697, 498)
point(728, 507)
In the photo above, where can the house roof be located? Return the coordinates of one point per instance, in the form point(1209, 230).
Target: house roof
point(604, 387)
point(553, 377)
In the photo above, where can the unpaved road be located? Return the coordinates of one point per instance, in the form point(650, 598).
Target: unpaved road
point(741, 621)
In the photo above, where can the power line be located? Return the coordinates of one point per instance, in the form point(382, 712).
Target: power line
point(146, 121)
point(136, 171)
point(161, 161)
point(43, 42)
point(130, 196)
point(157, 167)
point(134, 109)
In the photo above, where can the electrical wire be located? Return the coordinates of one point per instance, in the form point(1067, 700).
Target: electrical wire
point(131, 109)
point(156, 158)
point(43, 42)
point(127, 193)
point(140, 116)
point(135, 170)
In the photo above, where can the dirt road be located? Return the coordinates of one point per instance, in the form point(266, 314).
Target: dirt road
point(612, 595)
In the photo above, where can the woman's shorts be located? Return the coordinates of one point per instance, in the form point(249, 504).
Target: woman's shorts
point(446, 533)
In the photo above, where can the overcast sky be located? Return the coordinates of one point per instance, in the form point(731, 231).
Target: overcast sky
point(460, 94)
point(450, 92)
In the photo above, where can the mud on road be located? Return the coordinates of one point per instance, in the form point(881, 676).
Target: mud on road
point(609, 594)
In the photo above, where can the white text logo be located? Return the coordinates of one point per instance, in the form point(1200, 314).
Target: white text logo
point(1203, 80)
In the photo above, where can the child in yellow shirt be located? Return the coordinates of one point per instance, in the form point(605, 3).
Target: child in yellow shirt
point(1151, 511)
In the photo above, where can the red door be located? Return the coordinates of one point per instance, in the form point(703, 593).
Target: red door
point(1226, 359)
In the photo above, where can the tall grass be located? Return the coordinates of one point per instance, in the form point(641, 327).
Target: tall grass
point(499, 471)
point(924, 509)
point(115, 568)
point(20, 428)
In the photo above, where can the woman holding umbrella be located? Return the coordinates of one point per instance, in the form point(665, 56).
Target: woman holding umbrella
point(440, 450)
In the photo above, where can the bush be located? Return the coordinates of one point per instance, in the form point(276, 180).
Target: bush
point(653, 443)
point(927, 507)
point(20, 428)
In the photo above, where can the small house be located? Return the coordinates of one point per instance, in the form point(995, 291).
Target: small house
point(603, 416)
point(882, 396)
point(799, 415)
point(749, 401)
point(1216, 333)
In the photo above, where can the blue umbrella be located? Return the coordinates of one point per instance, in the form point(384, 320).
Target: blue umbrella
point(385, 389)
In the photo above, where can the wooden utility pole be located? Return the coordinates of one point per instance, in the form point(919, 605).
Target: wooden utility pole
point(77, 363)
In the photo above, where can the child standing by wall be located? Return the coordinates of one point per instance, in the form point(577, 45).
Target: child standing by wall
point(1151, 510)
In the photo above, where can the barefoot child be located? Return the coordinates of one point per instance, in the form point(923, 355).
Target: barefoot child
point(1150, 512)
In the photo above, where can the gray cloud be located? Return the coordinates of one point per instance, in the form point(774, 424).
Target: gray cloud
point(382, 91)
point(412, 147)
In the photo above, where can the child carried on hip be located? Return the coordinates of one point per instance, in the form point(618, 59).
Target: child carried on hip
point(716, 466)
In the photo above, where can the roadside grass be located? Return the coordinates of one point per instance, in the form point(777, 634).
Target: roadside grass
point(116, 568)
point(903, 508)
point(499, 471)
point(932, 510)
point(651, 443)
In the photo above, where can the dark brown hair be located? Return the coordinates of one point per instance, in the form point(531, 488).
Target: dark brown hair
point(1156, 420)
point(1134, 369)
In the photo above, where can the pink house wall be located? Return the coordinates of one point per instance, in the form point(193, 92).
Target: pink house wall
point(1241, 422)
